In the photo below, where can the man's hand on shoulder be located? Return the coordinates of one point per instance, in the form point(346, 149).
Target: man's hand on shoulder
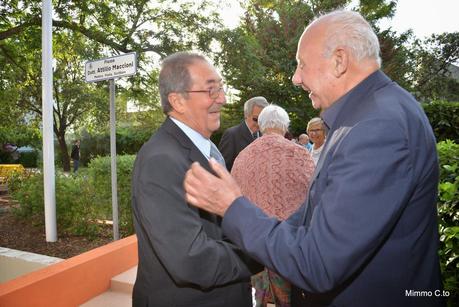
point(211, 193)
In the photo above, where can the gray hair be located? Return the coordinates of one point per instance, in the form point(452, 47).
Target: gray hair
point(273, 117)
point(303, 136)
point(255, 101)
point(175, 76)
point(353, 31)
point(316, 120)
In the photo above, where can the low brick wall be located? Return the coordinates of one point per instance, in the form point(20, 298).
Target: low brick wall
point(73, 281)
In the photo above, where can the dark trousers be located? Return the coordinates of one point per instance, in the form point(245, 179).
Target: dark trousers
point(76, 164)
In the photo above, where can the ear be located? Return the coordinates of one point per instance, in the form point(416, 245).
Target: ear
point(340, 61)
point(177, 102)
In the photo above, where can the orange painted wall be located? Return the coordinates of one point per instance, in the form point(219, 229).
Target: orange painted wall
point(73, 281)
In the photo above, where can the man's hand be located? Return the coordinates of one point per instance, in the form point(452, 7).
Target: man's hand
point(209, 192)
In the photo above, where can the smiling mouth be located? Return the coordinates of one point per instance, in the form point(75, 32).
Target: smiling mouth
point(306, 89)
point(216, 110)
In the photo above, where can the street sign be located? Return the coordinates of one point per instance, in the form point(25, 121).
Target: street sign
point(111, 68)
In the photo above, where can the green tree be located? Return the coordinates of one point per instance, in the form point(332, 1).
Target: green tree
point(18, 124)
point(72, 96)
point(258, 57)
point(433, 77)
point(86, 30)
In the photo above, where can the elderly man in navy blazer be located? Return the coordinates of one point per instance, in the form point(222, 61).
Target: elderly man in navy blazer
point(367, 233)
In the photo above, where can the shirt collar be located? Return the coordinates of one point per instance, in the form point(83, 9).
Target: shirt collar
point(245, 122)
point(202, 143)
point(329, 115)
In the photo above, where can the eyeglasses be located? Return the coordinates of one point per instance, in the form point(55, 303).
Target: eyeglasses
point(314, 131)
point(255, 119)
point(213, 92)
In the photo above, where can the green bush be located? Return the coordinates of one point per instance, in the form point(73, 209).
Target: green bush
point(5, 157)
point(448, 216)
point(74, 211)
point(82, 199)
point(128, 142)
point(27, 189)
point(99, 171)
point(444, 118)
point(28, 158)
point(93, 146)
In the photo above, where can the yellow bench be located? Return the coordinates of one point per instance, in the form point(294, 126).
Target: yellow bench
point(6, 170)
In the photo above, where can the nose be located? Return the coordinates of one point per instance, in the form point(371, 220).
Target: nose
point(296, 79)
point(221, 99)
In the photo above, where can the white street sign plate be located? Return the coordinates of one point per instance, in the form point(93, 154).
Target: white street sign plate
point(111, 68)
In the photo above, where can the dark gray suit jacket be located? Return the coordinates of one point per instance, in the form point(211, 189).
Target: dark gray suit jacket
point(183, 258)
point(367, 235)
point(233, 141)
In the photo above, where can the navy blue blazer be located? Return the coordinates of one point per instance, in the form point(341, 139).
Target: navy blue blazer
point(367, 234)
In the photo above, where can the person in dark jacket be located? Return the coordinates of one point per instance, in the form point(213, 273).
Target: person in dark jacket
point(184, 260)
point(236, 138)
point(75, 155)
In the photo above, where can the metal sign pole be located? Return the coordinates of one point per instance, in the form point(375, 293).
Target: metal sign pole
point(116, 234)
point(48, 135)
point(109, 69)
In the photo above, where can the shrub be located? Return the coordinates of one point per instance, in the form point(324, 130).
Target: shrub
point(82, 199)
point(5, 157)
point(27, 189)
point(128, 142)
point(444, 118)
point(28, 158)
point(99, 171)
point(73, 202)
point(448, 216)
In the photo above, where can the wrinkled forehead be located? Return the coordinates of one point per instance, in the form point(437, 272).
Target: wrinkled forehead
point(316, 125)
point(312, 38)
point(202, 72)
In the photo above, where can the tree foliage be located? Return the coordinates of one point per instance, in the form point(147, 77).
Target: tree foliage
point(138, 25)
point(258, 56)
point(87, 30)
point(435, 77)
point(444, 118)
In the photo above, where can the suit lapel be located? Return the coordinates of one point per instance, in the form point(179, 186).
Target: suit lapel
point(352, 102)
point(194, 154)
point(245, 132)
point(307, 213)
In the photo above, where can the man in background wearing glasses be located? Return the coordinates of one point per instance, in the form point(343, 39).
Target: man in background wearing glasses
point(238, 137)
point(183, 259)
point(316, 132)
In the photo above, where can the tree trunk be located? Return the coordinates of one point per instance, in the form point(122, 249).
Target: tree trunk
point(65, 159)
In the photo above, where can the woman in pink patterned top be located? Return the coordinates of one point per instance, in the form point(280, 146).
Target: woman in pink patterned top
point(274, 173)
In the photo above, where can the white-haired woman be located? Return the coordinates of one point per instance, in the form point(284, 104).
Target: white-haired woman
point(274, 173)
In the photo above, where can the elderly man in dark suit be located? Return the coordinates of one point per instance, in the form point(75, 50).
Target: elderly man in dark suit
point(183, 257)
point(367, 234)
point(236, 138)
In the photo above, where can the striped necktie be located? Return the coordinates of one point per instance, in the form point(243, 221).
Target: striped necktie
point(215, 153)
